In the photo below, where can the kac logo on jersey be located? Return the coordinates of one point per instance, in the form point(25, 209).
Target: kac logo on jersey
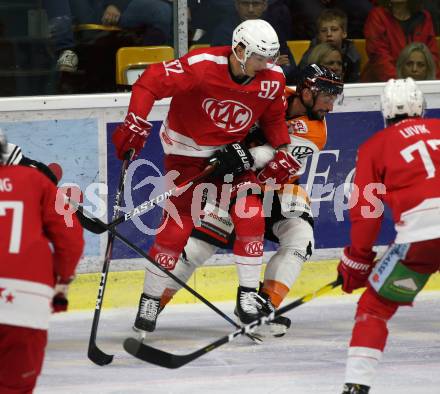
point(298, 126)
point(229, 115)
point(166, 261)
point(254, 248)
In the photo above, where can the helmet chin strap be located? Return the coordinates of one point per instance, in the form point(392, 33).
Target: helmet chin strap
point(242, 62)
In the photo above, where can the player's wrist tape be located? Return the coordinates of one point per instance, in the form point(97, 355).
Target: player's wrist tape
point(354, 264)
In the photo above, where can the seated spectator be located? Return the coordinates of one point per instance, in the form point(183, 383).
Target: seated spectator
point(416, 61)
point(258, 9)
point(306, 12)
point(391, 26)
point(329, 55)
point(332, 28)
point(60, 30)
point(155, 16)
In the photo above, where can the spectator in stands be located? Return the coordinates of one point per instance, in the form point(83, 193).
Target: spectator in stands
point(60, 30)
point(276, 13)
point(306, 12)
point(332, 28)
point(132, 14)
point(416, 61)
point(329, 55)
point(391, 26)
point(155, 16)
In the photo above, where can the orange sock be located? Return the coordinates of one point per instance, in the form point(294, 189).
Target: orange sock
point(276, 291)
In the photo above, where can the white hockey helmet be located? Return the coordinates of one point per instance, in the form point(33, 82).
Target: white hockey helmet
point(258, 37)
point(402, 98)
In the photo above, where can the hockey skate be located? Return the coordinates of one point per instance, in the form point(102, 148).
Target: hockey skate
point(277, 327)
point(351, 388)
point(250, 305)
point(149, 308)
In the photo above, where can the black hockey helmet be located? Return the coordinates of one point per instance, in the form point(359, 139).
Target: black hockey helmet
point(319, 79)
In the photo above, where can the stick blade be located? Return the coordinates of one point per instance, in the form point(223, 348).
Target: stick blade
point(90, 224)
point(98, 356)
point(155, 356)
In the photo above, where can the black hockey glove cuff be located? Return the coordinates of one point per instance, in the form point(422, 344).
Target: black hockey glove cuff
point(233, 159)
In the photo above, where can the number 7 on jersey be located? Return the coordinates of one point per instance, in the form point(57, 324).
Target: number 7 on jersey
point(421, 147)
point(17, 223)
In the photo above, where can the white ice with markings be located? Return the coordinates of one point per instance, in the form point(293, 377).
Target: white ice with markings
point(310, 358)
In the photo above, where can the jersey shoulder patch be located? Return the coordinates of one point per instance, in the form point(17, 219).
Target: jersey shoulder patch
point(312, 130)
point(298, 126)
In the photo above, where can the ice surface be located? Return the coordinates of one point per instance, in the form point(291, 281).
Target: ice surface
point(309, 359)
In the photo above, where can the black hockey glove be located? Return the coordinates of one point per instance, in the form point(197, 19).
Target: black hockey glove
point(25, 161)
point(233, 159)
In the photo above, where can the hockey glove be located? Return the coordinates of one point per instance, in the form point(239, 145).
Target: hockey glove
point(281, 168)
point(354, 270)
point(233, 159)
point(132, 134)
point(59, 300)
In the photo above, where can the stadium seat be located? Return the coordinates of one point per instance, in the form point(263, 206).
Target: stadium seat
point(197, 46)
point(131, 61)
point(360, 45)
point(298, 48)
point(94, 26)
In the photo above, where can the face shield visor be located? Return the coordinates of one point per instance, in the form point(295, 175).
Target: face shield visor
point(268, 60)
point(332, 91)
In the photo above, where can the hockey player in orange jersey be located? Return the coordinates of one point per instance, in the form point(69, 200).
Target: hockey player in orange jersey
point(289, 221)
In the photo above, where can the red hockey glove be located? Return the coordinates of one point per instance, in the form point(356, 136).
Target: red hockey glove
point(132, 134)
point(281, 168)
point(354, 270)
point(59, 300)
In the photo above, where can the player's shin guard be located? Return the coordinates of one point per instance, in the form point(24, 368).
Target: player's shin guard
point(248, 245)
point(369, 337)
point(248, 251)
point(296, 242)
point(165, 251)
point(195, 254)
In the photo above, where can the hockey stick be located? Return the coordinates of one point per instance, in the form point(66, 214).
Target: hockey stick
point(169, 360)
point(94, 353)
point(92, 224)
point(140, 252)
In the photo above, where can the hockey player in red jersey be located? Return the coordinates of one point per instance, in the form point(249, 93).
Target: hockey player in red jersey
point(290, 220)
point(38, 253)
point(217, 95)
point(399, 166)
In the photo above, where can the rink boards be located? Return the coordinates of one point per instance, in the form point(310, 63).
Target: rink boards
point(75, 131)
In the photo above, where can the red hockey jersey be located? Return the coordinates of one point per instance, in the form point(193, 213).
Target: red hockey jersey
point(28, 266)
point(405, 158)
point(208, 109)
